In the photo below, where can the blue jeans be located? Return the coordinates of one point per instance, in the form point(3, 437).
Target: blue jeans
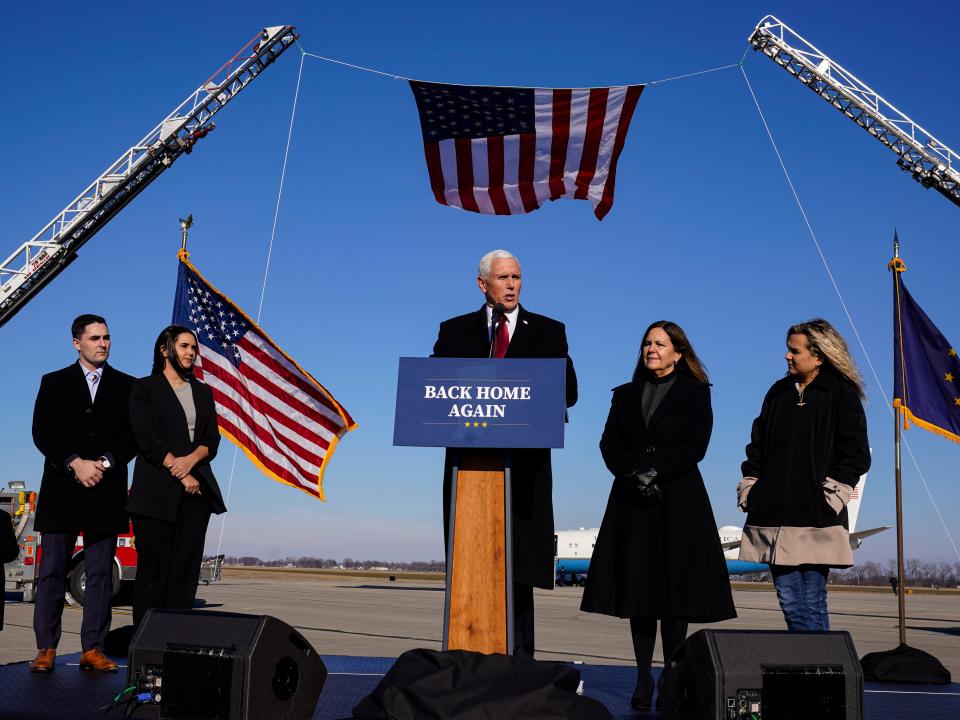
point(802, 592)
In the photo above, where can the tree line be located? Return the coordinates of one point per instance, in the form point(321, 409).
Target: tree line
point(919, 573)
point(307, 561)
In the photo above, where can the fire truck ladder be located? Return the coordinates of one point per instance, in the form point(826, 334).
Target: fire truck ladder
point(929, 161)
point(35, 263)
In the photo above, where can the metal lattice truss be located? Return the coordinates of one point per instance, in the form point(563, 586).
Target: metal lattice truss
point(929, 161)
point(43, 257)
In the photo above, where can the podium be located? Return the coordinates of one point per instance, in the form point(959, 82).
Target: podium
point(478, 609)
point(480, 410)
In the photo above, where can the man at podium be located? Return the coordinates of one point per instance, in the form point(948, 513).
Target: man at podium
point(502, 328)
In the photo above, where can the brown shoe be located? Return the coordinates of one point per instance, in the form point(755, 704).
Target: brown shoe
point(96, 661)
point(44, 661)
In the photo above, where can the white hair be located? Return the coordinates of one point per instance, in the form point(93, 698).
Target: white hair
point(483, 267)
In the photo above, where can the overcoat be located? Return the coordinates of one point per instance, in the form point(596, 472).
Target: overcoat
point(67, 424)
point(535, 336)
point(800, 460)
point(160, 426)
point(659, 559)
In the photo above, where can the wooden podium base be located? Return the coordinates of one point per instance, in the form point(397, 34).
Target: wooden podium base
point(479, 602)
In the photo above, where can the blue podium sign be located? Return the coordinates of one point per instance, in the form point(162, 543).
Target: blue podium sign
point(479, 403)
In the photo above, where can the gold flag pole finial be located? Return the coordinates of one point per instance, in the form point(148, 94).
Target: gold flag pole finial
point(185, 226)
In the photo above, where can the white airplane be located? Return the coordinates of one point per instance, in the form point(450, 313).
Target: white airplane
point(573, 548)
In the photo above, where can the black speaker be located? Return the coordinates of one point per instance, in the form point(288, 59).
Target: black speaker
point(764, 675)
point(188, 665)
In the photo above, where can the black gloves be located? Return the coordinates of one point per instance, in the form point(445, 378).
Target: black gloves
point(640, 487)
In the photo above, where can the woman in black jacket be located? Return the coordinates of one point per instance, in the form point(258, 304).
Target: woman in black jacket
point(807, 452)
point(173, 491)
point(658, 554)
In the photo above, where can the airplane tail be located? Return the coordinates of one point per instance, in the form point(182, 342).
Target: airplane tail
point(853, 507)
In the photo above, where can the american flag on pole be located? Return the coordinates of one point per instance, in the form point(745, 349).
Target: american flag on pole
point(286, 422)
point(504, 151)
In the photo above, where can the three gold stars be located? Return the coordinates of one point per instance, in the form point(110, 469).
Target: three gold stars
point(475, 424)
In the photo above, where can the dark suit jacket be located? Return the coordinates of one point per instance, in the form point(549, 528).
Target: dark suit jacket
point(535, 336)
point(160, 426)
point(66, 424)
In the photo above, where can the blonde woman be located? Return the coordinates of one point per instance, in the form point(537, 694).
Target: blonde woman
point(807, 451)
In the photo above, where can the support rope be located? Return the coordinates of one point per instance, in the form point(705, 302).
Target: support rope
point(351, 65)
point(843, 304)
point(403, 77)
point(693, 74)
point(266, 268)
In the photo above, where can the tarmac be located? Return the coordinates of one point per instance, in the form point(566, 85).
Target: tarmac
point(371, 616)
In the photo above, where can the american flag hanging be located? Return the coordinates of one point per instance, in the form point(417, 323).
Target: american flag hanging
point(504, 151)
point(271, 408)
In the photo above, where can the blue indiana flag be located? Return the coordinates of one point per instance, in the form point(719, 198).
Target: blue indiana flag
point(926, 372)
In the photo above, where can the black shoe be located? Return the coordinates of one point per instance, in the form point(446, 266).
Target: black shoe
point(642, 697)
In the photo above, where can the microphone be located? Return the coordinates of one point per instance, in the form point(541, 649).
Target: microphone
point(497, 317)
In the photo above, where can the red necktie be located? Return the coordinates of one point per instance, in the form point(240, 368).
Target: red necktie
point(502, 340)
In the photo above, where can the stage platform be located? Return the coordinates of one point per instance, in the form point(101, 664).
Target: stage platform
point(68, 694)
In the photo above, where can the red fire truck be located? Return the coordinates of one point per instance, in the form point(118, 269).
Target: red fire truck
point(22, 574)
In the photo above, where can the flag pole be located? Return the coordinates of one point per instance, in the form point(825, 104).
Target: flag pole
point(897, 268)
point(903, 663)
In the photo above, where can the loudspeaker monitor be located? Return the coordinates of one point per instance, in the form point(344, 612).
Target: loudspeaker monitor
point(764, 675)
point(189, 665)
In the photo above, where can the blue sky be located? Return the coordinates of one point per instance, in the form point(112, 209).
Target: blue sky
point(704, 230)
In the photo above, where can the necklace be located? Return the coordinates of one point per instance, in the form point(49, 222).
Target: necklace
point(801, 388)
point(800, 402)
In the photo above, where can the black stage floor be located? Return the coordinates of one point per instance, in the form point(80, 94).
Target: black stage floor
point(69, 694)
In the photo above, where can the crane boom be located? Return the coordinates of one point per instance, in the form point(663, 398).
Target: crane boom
point(929, 161)
point(36, 262)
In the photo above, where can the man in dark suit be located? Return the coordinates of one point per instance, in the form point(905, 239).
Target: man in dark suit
point(81, 425)
point(514, 333)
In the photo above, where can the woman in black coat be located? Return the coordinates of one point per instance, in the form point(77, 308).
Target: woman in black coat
point(808, 449)
point(658, 554)
point(173, 491)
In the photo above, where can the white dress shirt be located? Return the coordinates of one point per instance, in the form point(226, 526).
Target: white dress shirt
point(511, 321)
point(93, 380)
